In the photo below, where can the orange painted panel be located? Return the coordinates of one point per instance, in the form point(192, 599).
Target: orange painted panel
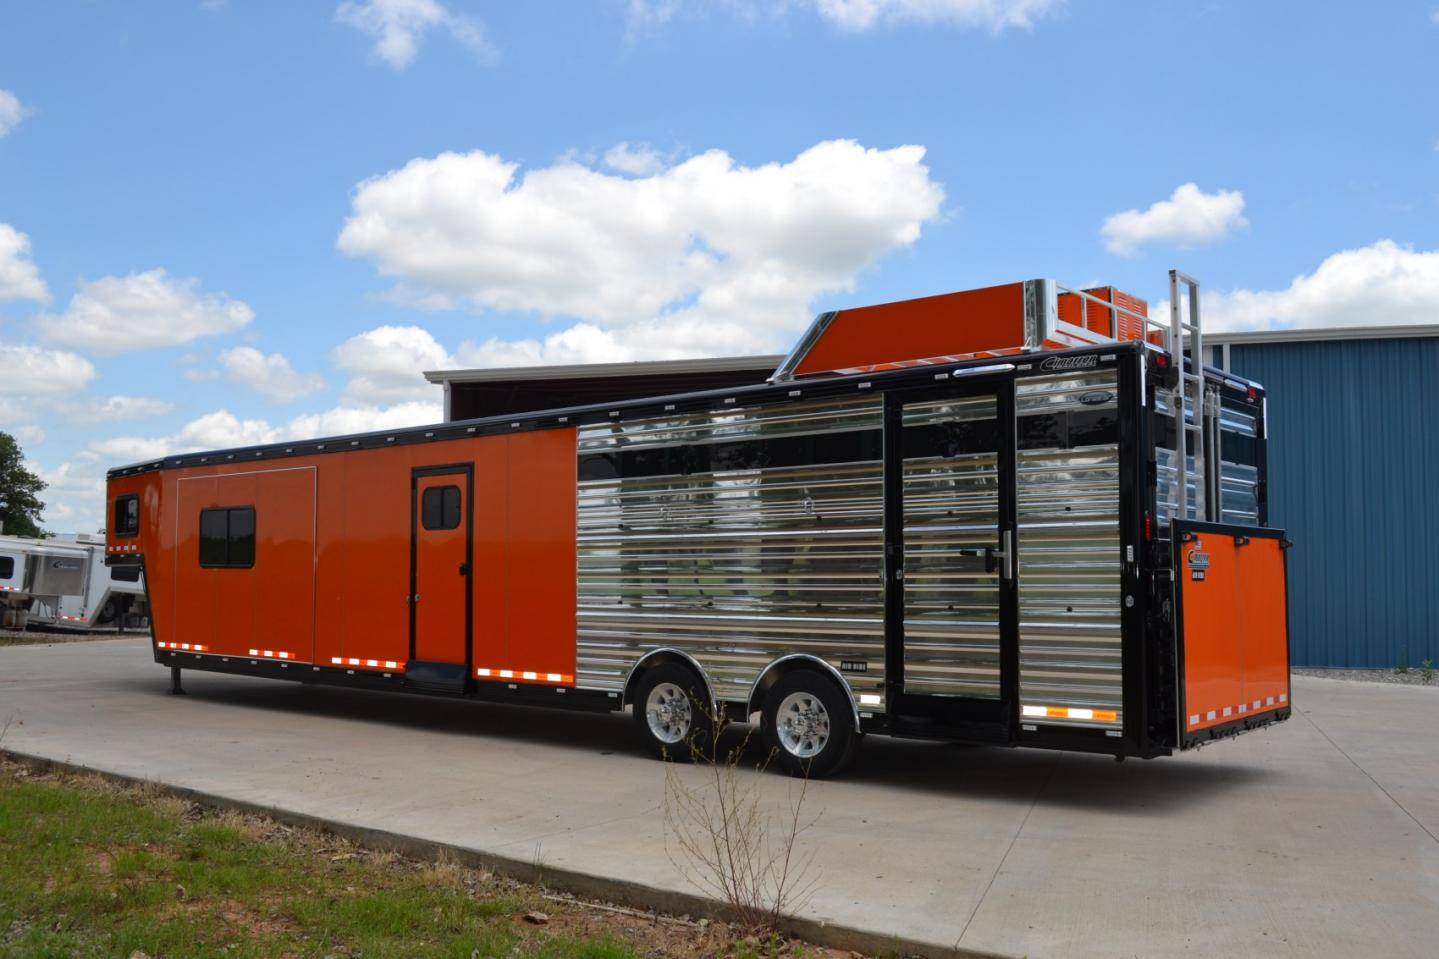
point(268, 606)
point(491, 549)
point(541, 592)
point(440, 583)
point(371, 544)
point(1236, 639)
point(1211, 631)
point(1266, 625)
point(970, 321)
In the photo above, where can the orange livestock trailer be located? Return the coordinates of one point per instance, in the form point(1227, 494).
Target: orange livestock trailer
point(1023, 515)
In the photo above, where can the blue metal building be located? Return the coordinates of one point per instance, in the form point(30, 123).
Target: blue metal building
point(1354, 479)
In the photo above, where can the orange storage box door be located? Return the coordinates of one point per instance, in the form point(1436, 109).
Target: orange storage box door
point(1233, 629)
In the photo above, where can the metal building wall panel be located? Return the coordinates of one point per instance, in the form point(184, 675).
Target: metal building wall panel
point(1353, 457)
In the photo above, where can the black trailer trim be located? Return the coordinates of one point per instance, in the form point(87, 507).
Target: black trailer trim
point(818, 387)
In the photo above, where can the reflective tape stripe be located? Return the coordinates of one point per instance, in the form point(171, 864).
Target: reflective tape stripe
point(524, 675)
point(1072, 712)
point(388, 664)
point(192, 647)
point(273, 654)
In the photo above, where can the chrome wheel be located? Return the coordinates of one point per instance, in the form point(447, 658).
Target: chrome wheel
point(802, 724)
point(667, 710)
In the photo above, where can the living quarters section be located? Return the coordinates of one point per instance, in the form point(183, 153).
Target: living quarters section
point(243, 575)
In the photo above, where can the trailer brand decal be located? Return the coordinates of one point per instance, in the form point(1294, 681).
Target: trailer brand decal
point(853, 666)
point(1058, 363)
point(1198, 564)
point(1097, 398)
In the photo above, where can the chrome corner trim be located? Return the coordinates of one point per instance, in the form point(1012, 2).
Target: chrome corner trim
point(839, 678)
point(709, 686)
point(1041, 311)
point(784, 373)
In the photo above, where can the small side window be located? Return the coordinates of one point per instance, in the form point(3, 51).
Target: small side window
point(227, 537)
point(127, 515)
point(440, 507)
point(7, 567)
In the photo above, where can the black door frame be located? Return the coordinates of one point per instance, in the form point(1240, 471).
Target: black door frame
point(468, 471)
point(1000, 715)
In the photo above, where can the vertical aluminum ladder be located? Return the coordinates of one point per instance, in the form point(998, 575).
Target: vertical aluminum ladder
point(1189, 399)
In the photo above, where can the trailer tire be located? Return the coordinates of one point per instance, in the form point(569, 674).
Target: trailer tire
point(808, 723)
point(673, 714)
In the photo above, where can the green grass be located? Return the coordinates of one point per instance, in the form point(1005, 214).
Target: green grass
point(89, 868)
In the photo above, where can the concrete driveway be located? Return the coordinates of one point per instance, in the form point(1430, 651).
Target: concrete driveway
point(1313, 838)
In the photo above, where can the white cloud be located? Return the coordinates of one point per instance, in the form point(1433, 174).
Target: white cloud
point(995, 15)
point(19, 277)
point(116, 314)
point(640, 160)
point(31, 371)
point(1188, 218)
point(113, 409)
point(28, 434)
point(397, 27)
point(270, 374)
point(364, 419)
point(1384, 284)
point(385, 365)
point(704, 257)
point(11, 112)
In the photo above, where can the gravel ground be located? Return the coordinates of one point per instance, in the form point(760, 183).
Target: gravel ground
point(1415, 676)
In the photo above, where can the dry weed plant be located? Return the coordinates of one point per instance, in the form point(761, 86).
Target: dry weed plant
point(733, 846)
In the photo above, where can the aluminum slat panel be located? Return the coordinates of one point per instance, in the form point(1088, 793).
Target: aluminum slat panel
point(735, 566)
point(951, 603)
point(1069, 558)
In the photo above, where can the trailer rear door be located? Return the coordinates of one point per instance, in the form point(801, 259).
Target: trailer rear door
point(1233, 630)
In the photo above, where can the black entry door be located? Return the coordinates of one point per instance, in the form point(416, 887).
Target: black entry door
point(950, 601)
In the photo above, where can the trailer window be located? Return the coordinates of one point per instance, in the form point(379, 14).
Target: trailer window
point(440, 507)
point(227, 537)
point(7, 567)
point(127, 515)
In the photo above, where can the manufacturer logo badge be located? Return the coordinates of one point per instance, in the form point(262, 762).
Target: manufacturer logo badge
point(1096, 398)
point(1059, 363)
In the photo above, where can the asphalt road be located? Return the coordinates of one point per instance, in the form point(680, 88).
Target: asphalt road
point(1313, 838)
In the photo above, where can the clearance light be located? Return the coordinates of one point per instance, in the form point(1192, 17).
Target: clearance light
point(192, 647)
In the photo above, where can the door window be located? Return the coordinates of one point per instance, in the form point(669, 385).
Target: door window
point(440, 507)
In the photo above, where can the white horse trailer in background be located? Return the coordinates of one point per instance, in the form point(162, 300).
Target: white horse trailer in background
point(64, 582)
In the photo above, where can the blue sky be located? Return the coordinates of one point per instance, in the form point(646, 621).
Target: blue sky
point(232, 222)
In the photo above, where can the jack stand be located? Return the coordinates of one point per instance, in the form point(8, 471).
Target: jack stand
point(175, 689)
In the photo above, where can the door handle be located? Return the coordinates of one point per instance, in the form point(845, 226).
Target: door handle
point(1004, 555)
